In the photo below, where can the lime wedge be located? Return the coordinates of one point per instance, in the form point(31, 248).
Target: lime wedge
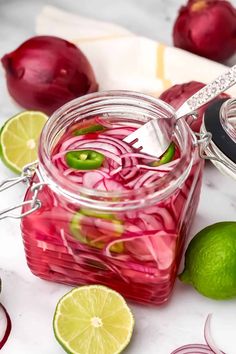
point(19, 139)
point(93, 319)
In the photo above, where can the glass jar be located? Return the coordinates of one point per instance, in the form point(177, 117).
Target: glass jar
point(134, 239)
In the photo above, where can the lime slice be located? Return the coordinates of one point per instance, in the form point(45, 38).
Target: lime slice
point(19, 139)
point(80, 233)
point(93, 319)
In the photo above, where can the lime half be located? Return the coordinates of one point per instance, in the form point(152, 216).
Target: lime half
point(93, 319)
point(19, 139)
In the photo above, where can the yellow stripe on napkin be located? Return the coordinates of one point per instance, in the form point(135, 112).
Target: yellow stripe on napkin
point(160, 68)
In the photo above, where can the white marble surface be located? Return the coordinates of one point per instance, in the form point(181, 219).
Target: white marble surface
point(31, 301)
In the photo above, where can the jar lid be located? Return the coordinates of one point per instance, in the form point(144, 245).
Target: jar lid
point(220, 136)
point(220, 121)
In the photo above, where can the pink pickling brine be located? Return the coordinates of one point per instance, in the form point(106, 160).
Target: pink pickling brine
point(110, 214)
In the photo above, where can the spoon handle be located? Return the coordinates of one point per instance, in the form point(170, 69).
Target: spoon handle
point(208, 93)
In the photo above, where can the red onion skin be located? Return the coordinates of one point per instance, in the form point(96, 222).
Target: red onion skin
point(206, 28)
point(45, 72)
point(178, 94)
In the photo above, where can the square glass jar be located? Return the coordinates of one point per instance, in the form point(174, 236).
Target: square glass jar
point(131, 241)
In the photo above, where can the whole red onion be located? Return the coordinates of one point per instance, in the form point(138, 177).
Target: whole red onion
point(178, 94)
point(45, 72)
point(207, 28)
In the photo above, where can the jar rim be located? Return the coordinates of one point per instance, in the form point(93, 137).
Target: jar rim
point(100, 199)
point(219, 150)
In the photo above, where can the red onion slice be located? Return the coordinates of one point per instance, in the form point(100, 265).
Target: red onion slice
point(115, 171)
point(208, 338)
point(70, 142)
point(119, 131)
point(153, 178)
point(133, 233)
point(193, 349)
point(5, 326)
point(99, 144)
point(103, 122)
point(112, 185)
point(161, 168)
point(68, 171)
point(208, 348)
point(110, 155)
point(119, 143)
point(91, 179)
point(138, 155)
point(76, 179)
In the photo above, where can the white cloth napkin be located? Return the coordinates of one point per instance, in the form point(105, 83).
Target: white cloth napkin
point(122, 60)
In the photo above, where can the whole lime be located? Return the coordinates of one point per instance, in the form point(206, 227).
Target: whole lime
point(210, 261)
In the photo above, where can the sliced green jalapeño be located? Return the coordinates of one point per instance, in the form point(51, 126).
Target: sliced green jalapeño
point(84, 159)
point(166, 157)
point(91, 129)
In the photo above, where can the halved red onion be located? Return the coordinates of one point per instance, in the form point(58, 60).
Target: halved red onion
point(5, 325)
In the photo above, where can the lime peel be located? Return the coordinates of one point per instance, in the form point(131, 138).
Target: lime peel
point(210, 261)
point(185, 277)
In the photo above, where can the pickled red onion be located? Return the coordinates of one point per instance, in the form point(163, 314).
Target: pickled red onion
point(92, 178)
point(90, 257)
point(124, 168)
point(137, 155)
point(103, 122)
